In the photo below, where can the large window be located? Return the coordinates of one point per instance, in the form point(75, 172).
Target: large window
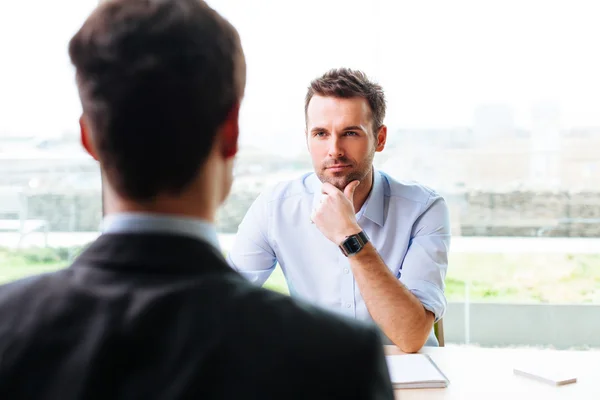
point(50, 202)
point(493, 104)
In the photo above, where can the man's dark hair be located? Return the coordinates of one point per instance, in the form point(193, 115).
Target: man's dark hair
point(346, 83)
point(156, 79)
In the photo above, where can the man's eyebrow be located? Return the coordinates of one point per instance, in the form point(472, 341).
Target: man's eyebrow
point(353, 128)
point(348, 128)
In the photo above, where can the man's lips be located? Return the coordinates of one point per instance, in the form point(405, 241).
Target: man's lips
point(337, 168)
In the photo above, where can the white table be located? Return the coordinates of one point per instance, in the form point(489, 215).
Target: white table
point(480, 373)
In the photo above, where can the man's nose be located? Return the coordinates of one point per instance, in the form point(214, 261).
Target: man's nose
point(335, 148)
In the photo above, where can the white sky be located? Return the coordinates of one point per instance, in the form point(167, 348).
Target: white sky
point(437, 60)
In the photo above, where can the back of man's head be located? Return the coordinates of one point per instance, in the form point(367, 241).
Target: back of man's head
point(157, 79)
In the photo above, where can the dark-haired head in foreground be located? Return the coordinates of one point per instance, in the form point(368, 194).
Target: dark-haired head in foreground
point(160, 84)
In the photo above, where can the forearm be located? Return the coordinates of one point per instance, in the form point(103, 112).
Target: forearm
point(393, 307)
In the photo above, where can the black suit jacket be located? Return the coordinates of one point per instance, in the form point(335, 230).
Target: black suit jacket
point(156, 316)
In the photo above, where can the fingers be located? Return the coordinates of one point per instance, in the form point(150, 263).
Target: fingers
point(349, 190)
point(329, 189)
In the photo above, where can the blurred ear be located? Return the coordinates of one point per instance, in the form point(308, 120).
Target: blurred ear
point(86, 138)
point(230, 133)
point(306, 137)
point(381, 138)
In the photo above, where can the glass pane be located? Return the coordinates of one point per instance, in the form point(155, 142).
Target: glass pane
point(493, 104)
point(49, 187)
point(505, 123)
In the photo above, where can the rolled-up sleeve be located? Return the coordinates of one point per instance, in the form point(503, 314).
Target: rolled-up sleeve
point(426, 261)
point(251, 254)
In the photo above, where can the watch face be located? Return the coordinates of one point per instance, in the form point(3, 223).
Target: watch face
point(353, 245)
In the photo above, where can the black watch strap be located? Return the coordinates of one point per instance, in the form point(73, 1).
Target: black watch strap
point(354, 243)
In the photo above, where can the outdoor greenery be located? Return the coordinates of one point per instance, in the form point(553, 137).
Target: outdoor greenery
point(526, 278)
point(15, 264)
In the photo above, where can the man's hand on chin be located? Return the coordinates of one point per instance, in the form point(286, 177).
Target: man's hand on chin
point(335, 216)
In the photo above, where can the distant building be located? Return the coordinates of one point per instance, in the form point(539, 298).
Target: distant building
point(493, 122)
point(545, 162)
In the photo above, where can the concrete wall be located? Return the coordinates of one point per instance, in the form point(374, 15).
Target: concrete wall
point(528, 213)
point(517, 213)
point(495, 324)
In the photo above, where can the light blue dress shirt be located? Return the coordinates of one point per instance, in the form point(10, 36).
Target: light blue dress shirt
point(134, 222)
point(407, 223)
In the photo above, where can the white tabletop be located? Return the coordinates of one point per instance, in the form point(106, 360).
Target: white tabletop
point(480, 373)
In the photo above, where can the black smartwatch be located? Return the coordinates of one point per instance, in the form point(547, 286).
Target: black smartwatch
point(354, 243)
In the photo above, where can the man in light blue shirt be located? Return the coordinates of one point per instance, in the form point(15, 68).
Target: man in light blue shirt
point(348, 237)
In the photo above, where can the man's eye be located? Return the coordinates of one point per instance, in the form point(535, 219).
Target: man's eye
point(320, 134)
point(351, 133)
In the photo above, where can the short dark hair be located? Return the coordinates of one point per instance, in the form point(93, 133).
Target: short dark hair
point(156, 79)
point(346, 83)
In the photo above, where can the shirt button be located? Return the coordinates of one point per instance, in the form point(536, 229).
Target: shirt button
point(348, 305)
point(346, 270)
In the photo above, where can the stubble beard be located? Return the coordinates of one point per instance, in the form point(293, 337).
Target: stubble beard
point(342, 179)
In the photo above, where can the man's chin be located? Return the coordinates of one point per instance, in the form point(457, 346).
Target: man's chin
point(339, 182)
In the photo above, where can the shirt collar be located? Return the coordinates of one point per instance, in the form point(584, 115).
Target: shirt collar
point(373, 208)
point(133, 222)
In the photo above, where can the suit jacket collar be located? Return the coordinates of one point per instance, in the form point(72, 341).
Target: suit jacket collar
point(162, 253)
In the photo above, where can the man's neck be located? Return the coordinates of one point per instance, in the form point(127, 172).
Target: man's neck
point(363, 190)
point(176, 207)
point(161, 212)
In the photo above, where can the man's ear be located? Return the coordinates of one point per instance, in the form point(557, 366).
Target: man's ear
point(381, 138)
point(86, 138)
point(306, 138)
point(230, 133)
